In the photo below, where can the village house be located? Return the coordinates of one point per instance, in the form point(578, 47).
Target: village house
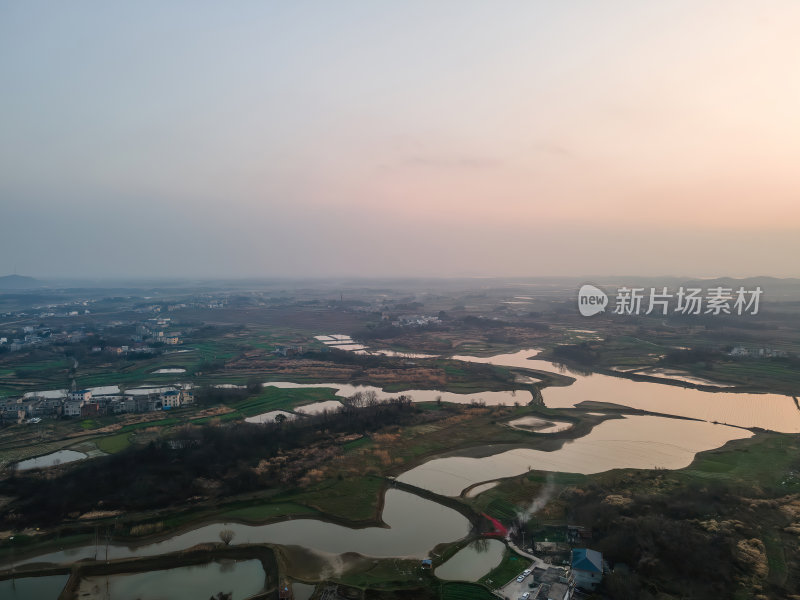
point(577, 534)
point(36, 408)
point(13, 410)
point(72, 408)
point(170, 399)
point(587, 568)
point(136, 404)
point(80, 396)
point(559, 591)
point(154, 402)
point(90, 409)
point(52, 406)
point(554, 583)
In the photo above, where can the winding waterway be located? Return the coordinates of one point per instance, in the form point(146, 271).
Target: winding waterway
point(416, 525)
point(28, 588)
point(634, 442)
point(767, 411)
point(242, 579)
point(345, 390)
point(473, 562)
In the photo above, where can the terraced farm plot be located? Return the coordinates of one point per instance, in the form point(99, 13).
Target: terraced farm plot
point(466, 591)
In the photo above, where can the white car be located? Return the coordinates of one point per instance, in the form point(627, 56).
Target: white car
point(520, 578)
point(526, 572)
point(525, 596)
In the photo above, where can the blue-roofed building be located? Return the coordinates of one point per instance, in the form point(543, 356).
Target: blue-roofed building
point(81, 396)
point(587, 568)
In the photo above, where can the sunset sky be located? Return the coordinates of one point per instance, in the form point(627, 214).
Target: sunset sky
point(432, 138)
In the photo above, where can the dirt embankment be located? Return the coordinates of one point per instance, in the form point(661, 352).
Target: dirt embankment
point(322, 371)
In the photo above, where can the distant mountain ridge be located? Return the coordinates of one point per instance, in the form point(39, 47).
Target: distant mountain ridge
point(19, 282)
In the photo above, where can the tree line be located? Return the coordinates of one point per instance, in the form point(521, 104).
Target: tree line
point(194, 461)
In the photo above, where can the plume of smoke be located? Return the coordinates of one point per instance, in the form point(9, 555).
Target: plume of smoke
point(539, 502)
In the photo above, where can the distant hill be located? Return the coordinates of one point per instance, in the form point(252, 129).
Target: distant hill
point(775, 289)
point(19, 282)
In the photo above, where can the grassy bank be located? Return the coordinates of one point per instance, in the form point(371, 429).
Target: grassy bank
point(721, 526)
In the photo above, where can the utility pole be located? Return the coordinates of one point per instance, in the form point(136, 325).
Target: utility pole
point(13, 564)
point(108, 541)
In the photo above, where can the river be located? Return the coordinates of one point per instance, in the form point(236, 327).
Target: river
point(774, 412)
point(416, 525)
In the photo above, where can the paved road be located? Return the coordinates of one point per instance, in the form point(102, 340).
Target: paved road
point(514, 589)
point(537, 562)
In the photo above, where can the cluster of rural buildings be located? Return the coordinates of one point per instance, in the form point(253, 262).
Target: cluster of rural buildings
point(415, 321)
point(86, 404)
point(745, 352)
point(281, 350)
point(148, 332)
point(30, 337)
point(568, 567)
point(69, 309)
point(584, 572)
point(203, 302)
point(157, 330)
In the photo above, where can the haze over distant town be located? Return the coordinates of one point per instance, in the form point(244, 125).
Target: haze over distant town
point(432, 139)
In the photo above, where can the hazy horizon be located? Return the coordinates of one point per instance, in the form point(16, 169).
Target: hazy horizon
point(418, 139)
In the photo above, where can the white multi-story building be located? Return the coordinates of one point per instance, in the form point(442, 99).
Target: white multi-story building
point(170, 399)
point(72, 408)
point(80, 396)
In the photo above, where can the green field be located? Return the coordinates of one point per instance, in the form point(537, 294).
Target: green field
point(269, 399)
point(777, 372)
point(352, 498)
point(264, 512)
point(502, 510)
point(776, 558)
point(272, 398)
point(146, 424)
point(768, 460)
point(114, 443)
point(465, 591)
point(512, 565)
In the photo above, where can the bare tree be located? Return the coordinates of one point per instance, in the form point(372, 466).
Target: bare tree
point(371, 398)
point(227, 535)
point(357, 400)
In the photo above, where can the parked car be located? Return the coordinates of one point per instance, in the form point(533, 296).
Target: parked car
point(520, 578)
